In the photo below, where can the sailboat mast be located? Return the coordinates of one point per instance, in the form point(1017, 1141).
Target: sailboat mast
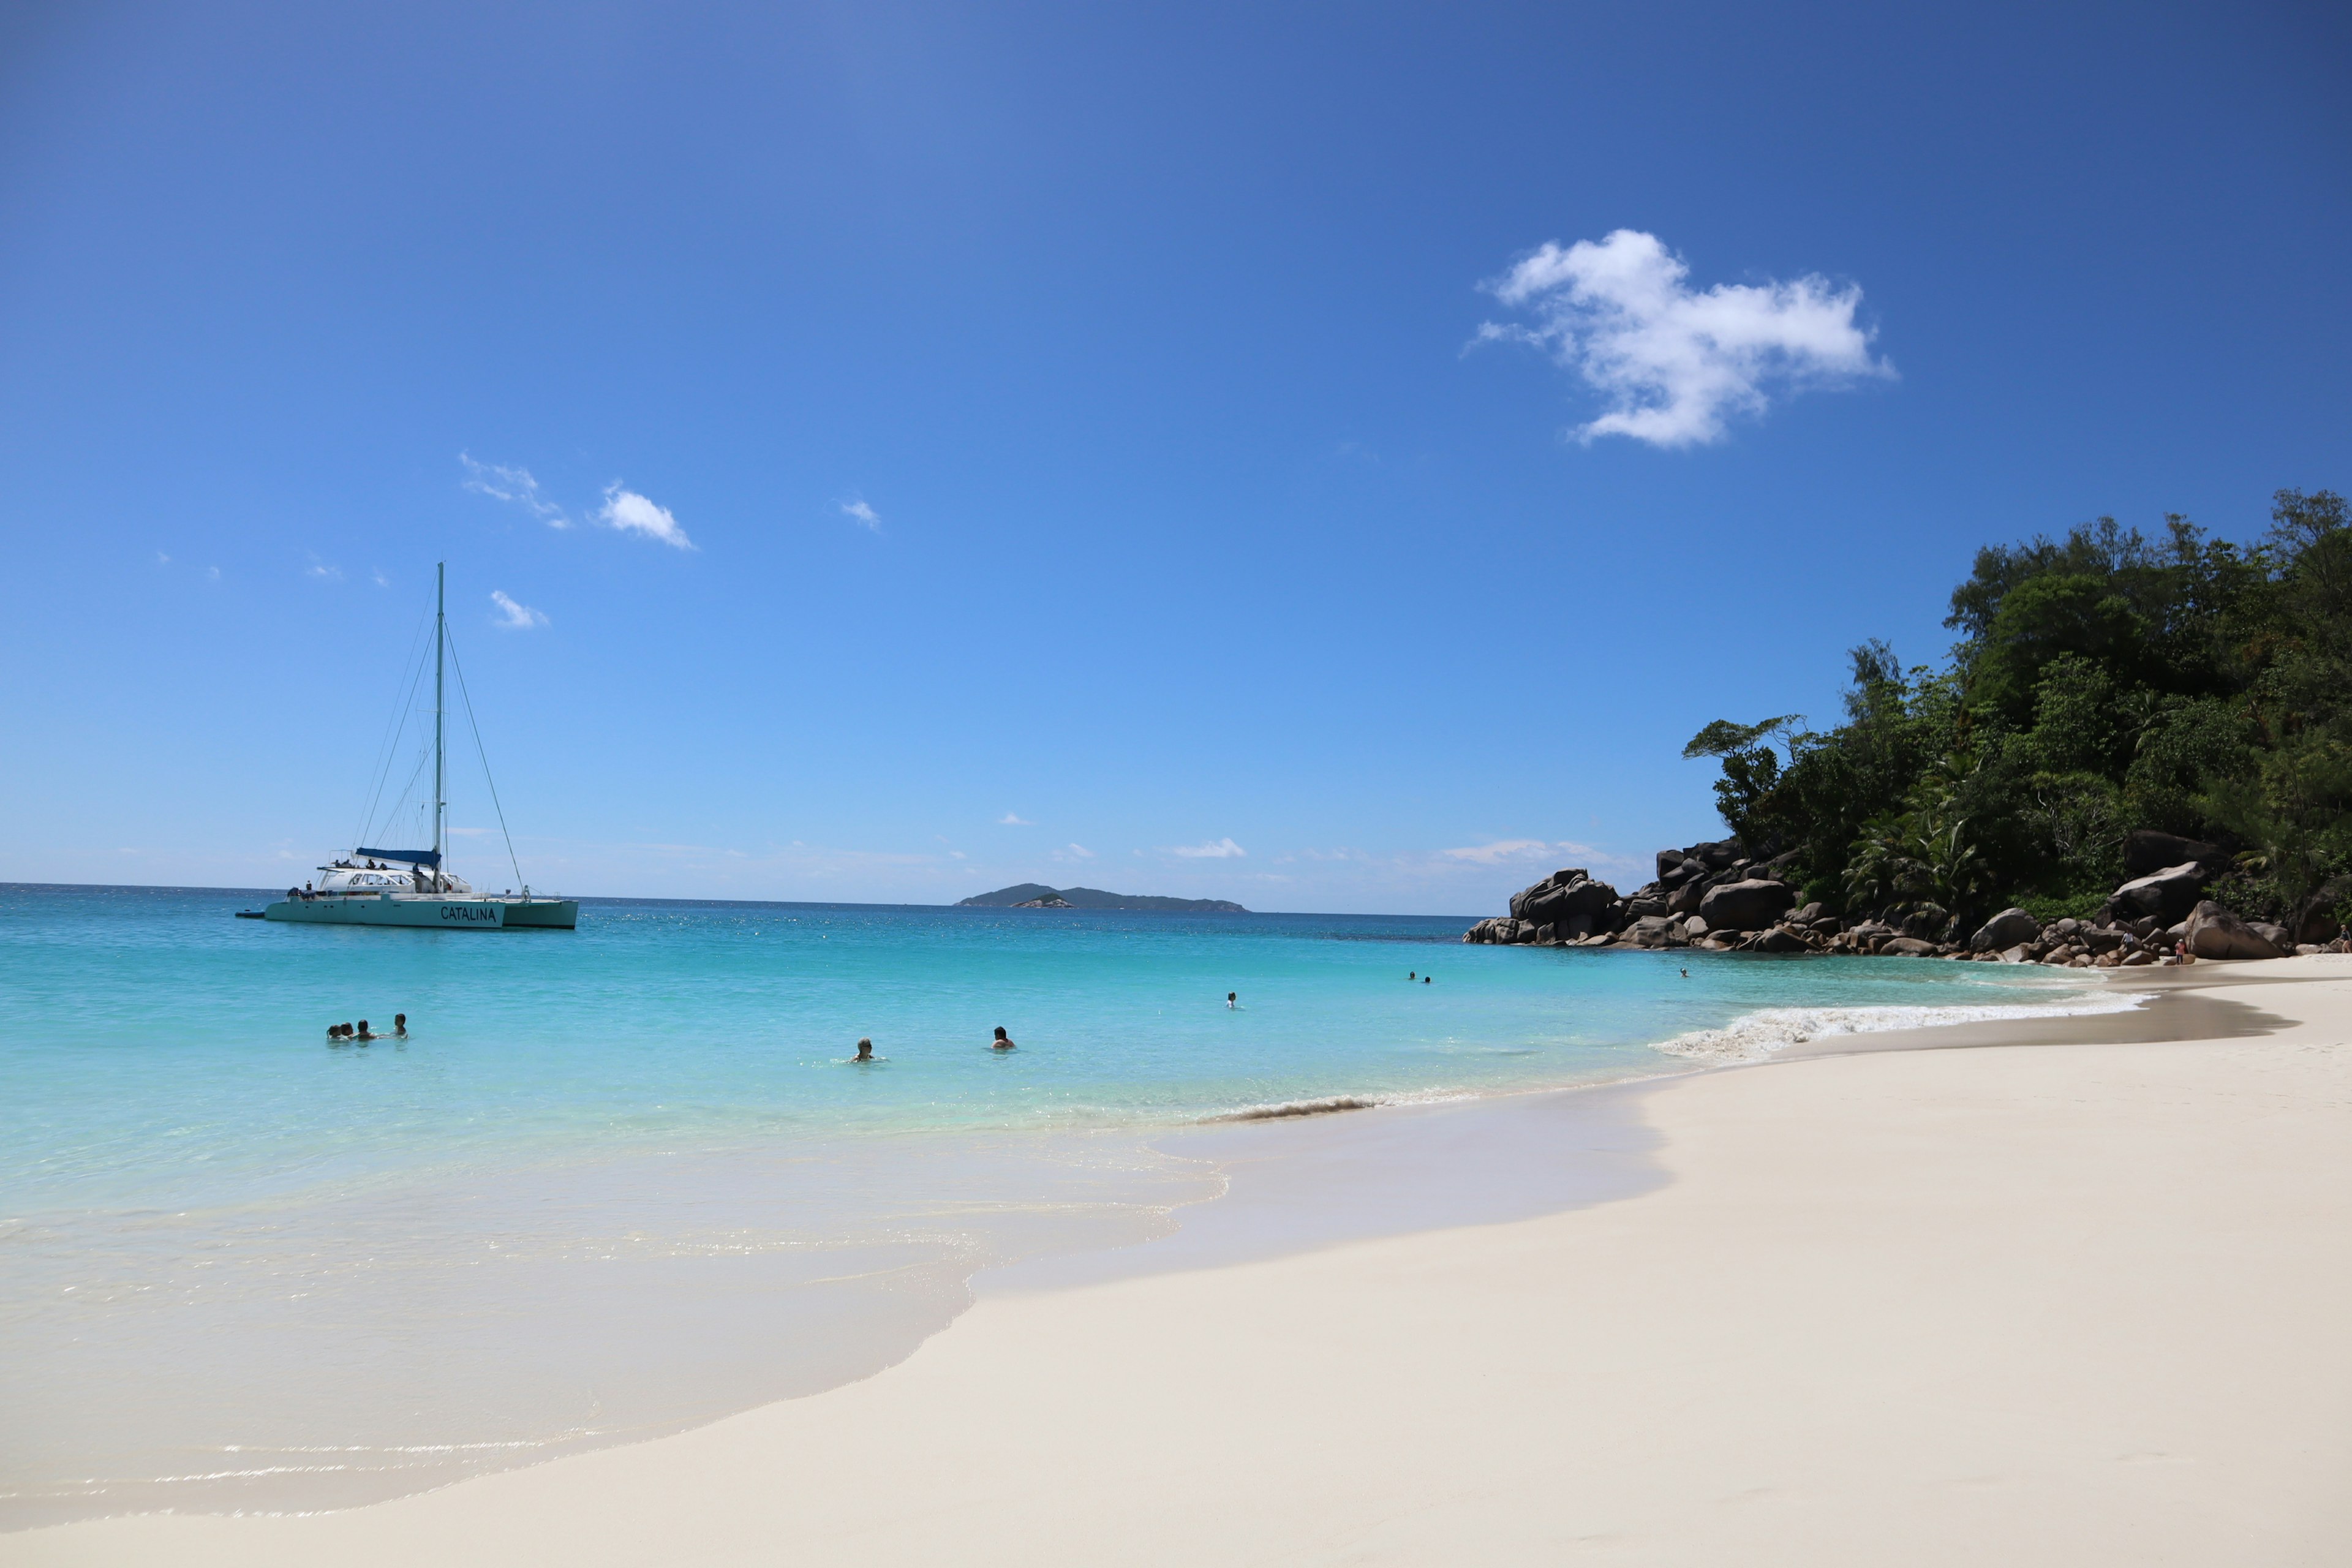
point(440, 641)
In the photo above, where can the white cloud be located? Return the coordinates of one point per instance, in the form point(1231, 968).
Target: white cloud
point(323, 572)
point(514, 486)
point(1502, 851)
point(162, 559)
point(1537, 851)
point(1672, 363)
point(633, 513)
point(1010, 820)
point(1071, 852)
point(211, 574)
point(516, 617)
point(1216, 849)
point(863, 513)
point(381, 580)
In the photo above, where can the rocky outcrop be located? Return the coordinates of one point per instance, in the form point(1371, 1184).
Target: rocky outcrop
point(1569, 901)
point(2215, 932)
point(1715, 896)
point(2147, 852)
point(1752, 903)
point(2167, 894)
point(2317, 921)
point(2005, 931)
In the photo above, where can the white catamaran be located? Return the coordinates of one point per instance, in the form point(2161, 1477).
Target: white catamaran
point(411, 886)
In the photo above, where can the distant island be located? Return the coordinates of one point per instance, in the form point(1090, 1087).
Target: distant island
point(1036, 896)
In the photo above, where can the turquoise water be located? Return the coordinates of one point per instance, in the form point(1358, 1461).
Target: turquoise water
point(623, 1178)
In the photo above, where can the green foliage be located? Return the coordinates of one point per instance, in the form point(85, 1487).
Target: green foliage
point(2079, 906)
point(2103, 682)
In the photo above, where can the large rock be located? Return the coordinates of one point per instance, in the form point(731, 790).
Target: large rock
point(2167, 895)
point(2215, 932)
point(2147, 852)
point(1719, 856)
point(1651, 930)
point(1928, 922)
point(2011, 928)
point(2317, 921)
point(1777, 940)
point(1568, 899)
point(1751, 904)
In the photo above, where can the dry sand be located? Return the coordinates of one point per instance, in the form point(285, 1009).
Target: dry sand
point(2044, 1303)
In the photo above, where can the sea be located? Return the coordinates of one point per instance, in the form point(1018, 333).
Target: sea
point(620, 1181)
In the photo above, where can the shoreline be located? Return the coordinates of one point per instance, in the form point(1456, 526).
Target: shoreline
point(548, 1502)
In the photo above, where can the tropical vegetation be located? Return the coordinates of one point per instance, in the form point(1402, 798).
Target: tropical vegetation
point(2105, 682)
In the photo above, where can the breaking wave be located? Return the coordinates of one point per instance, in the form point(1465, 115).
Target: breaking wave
point(1754, 1037)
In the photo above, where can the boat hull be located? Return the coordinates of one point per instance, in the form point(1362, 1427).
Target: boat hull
point(424, 911)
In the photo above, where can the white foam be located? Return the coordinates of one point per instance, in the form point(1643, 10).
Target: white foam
point(1754, 1037)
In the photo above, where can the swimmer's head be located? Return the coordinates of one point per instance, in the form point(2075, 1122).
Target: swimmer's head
point(1000, 1031)
point(864, 1050)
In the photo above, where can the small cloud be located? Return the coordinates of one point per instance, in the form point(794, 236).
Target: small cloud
point(1070, 852)
point(162, 559)
point(1216, 849)
point(633, 513)
point(866, 515)
point(1503, 851)
point(211, 574)
point(515, 618)
point(1009, 820)
point(514, 486)
point(1673, 361)
point(469, 832)
point(323, 572)
point(381, 580)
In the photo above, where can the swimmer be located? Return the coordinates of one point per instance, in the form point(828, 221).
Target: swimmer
point(363, 1034)
point(335, 1031)
point(865, 1051)
point(1004, 1042)
point(1412, 974)
point(1425, 980)
point(1685, 975)
point(400, 1026)
point(1233, 1001)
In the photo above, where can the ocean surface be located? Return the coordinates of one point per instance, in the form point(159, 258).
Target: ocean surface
point(624, 1179)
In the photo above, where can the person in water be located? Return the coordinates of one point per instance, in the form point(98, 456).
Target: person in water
point(364, 1033)
point(400, 1026)
point(1233, 1001)
point(1412, 974)
point(1425, 980)
point(1004, 1042)
point(335, 1031)
point(865, 1051)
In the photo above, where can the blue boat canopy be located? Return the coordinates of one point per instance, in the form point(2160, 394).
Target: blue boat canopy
point(411, 856)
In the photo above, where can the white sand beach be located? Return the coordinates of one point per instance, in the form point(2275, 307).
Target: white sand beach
point(2064, 1303)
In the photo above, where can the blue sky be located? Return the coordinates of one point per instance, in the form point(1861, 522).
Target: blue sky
point(1145, 446)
